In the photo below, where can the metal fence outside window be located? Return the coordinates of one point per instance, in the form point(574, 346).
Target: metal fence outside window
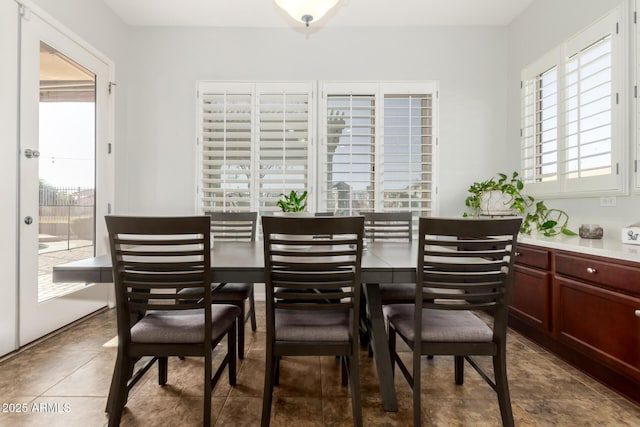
point(67, 214)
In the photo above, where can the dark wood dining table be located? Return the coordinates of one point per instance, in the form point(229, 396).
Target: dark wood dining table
point(382, 262)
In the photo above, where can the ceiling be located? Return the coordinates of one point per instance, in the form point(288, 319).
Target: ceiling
point(348, 13)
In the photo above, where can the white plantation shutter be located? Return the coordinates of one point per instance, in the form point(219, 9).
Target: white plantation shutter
point(284, 130)
point(226, 181)
point(572, 120)
point(589, 103)
point(407, 175)
point(377, 147)
point(540, 127)
point(254, 143)
point(350, 151)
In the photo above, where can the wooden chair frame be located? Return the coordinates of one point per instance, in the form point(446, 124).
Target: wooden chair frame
point(233, 226)
point(464, 265)
point(153, 259)
point(312, 277)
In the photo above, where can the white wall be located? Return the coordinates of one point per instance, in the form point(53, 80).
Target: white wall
point(8, 166)
point(165, 63)
point(541, 27)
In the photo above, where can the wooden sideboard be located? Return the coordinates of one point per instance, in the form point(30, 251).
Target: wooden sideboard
point(582, 307)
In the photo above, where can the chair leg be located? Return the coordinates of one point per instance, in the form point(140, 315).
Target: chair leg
point(276, 371)
point(231, 354)
point(417, 395)
point(113, 387)
point(344, 369)
point(240, 331)
point(392, 350)
point(354, 379)
point(118, 399)
point(269, 377)
point(163, 368)
point(208, 388)
point(502, 388)
point(252, 310)
point(459, 369)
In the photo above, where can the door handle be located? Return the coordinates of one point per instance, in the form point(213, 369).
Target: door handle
point(29, 153)
point(28, 220)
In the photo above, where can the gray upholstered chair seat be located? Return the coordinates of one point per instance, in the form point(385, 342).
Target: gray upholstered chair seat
point(319, 326)
point(390, 292)
point(240, 291)
point(439, 325)
point(183, 327)
point(243, 289)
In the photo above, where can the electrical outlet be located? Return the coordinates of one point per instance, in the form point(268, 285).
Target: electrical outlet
point(608, 201)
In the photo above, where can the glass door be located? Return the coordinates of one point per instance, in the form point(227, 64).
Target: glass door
point(61, 125)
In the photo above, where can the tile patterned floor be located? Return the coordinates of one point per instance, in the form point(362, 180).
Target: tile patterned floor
point(64, 381)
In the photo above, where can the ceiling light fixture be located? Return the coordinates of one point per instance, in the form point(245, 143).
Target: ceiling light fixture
point(306, 10)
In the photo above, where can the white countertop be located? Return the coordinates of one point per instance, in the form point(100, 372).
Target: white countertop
point(611, 247)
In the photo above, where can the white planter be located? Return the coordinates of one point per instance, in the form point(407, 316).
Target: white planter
point(496, 202)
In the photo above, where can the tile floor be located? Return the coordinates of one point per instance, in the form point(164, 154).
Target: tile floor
point(64, 381)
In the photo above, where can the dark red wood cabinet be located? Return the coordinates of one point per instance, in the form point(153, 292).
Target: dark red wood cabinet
point(531, 292)
point(583, 308)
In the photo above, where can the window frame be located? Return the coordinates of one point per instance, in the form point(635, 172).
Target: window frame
point(255, 89)
point(616, 183)
point(317, 134)
point(378, 89)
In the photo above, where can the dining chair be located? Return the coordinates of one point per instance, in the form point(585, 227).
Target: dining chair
point(153, 258)
point(464, 266)
point(312, 295)
point(236, 226)
point(388, 227)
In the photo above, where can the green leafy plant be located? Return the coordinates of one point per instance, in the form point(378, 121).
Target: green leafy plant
point(511, 186)
point(293, 202)
point(536, 215)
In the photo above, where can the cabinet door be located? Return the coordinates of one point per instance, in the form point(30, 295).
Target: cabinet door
point(600, 324)
point(530, 297)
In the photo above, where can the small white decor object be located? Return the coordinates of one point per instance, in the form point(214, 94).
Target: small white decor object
point(590, 231)
point(631, 234)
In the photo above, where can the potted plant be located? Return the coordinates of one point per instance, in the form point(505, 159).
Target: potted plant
point(498, 197)
point(293, 202)
point(504, 196)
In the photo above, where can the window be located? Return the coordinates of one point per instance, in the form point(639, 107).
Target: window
point(572, 133)
point(540, 127)
point(375, 151)
point(254, 143)
point(378, 147)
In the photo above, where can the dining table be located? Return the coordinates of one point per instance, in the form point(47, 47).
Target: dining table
point(382, 262)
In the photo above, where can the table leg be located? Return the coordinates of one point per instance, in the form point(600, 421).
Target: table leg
point(380, 348)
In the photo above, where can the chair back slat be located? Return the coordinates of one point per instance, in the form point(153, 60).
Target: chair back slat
point(233, 226)
point(395, 226)
point(466, 264)
point(306, 272)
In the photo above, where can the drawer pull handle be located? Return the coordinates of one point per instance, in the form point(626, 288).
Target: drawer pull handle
point(591, 270)
point(518, 254)
point(637, 313)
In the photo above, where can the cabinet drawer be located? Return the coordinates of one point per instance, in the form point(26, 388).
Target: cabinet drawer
point(599, 271)
point(533, 257)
